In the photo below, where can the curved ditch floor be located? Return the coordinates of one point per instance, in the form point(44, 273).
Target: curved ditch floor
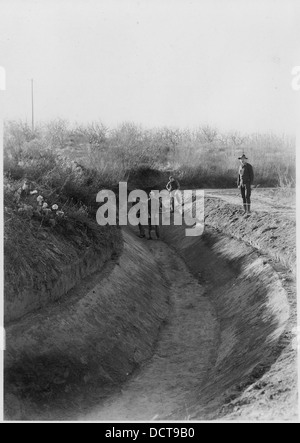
point(229, 312)
point(186, 349)
point(174, 330)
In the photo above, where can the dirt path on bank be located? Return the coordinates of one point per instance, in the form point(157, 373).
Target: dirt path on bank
point(185, 350)
point(263, 200)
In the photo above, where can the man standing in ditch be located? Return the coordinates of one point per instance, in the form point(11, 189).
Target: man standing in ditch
point(153, 210)
point(245, 182)
point(141, 227)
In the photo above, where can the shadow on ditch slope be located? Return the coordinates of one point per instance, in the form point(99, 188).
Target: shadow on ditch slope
point(79, 350)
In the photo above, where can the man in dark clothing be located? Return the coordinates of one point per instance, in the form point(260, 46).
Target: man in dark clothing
point(173, 184)
point(141, 227)
point(245, 181)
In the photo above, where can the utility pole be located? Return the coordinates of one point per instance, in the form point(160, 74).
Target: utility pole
point(32, 105)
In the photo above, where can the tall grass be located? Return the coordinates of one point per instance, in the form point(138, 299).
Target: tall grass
point(39, 240)
point(203, 157)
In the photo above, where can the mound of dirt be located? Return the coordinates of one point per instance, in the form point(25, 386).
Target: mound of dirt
point(272, 233)
point(48, 251)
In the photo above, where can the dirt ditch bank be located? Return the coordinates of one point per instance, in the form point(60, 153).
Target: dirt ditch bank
point(254, 375)
point(185, 328)
point(83, 347)
point(271, 231)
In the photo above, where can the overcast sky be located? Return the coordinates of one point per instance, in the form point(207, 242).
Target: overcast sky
point(182, 63)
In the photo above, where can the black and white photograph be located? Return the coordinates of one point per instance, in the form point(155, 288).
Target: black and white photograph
point(148, 213)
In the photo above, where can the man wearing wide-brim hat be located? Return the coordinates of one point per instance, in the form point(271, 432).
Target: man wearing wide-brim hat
point(245, 181)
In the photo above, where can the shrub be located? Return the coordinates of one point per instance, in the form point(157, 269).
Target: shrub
point(201, 157)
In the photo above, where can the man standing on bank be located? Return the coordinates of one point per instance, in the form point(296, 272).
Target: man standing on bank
point(245, 181)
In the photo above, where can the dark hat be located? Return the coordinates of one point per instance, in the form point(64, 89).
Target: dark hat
point(243, 157)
